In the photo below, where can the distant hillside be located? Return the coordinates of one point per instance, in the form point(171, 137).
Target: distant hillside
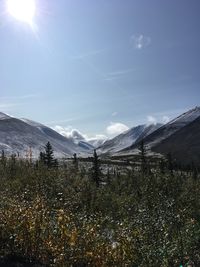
point(19, 136)
point(180, 137)
point(184, 145)
point(127, 138)
point(167, 130)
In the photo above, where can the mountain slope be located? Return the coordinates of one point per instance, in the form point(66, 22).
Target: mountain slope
point(4, 116)
point(184, 145)
point(127, 138)
point(17, 136)
point(167, 130)
point(75, 145)
point(95, 142)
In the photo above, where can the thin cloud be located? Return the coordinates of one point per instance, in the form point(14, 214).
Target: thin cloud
point(8, 103)
point(118, 74)
point(6, 107)
point(89, 54)
point(121, 72)
point(114, 114)
point(98, 137)
point(161, 119)
point(165, 119)
point(116, 128)
point(62, 121)
point(28, 96)
point(151, 120)
point(140, 41)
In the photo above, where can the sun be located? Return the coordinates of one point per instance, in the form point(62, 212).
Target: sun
point(23, 10)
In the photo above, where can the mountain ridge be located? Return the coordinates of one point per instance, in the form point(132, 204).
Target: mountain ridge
point(176, 136)
point(168, 129)
point(127, 138)
point(19, 135)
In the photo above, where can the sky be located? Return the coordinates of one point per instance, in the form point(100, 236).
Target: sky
point(101, 66)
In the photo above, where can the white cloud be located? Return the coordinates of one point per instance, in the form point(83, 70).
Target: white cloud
point(69, 132)
point(116, 128)
point(151, 120)
point(112, 130)
point(165, 119)
point(140, 41)
point(76, 135)
point(98, 136)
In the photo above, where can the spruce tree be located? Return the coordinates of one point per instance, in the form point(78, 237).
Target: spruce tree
point(143, 160)
point(170, 163)
point(42, 158)
point(3, 158)
point(49, 157)
point(75, 161)
point(162, 166)
point(96, 172)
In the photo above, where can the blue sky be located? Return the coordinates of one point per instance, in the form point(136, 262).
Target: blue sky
point(99, 66)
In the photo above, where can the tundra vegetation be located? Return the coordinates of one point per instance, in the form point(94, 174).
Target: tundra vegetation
point(69, 215)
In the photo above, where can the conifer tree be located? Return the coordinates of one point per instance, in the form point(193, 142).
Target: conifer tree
point(170, 163)
point(108, 176)
point(96, 172)
point(75, 161)
point(162, 166)
point(49, 156)
point(3, 158)
point(42, 158)
point(143, 159)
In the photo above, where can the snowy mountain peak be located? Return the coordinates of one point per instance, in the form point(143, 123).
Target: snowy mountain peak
point(4, 116)
point(31, 122)
point(157, 137)
point(187, 117)
point(128, 138)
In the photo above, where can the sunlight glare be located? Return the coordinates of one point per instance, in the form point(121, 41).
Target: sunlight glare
point(23, 10)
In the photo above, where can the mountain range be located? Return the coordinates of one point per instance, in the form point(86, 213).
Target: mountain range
point(180, 137)
point(19, 136)
point(127, 138)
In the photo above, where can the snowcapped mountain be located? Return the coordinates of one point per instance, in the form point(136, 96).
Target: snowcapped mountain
point(157, 137)
point(179, 136)
point(78, 144)
point(19, 135)
point(97, 142)
point(127, 138)
point(4, 116)
point(76, 137)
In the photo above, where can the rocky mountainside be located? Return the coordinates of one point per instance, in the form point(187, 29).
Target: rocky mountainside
point(127, 138)
point(179, 137)
point(20, 136)
point(183, 145)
